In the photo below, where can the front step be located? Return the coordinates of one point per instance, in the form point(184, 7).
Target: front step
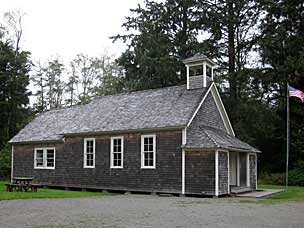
point(238, 190)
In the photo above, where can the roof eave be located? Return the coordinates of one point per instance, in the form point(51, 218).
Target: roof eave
point(124, 131)
point(37, 141)
point(220, 148)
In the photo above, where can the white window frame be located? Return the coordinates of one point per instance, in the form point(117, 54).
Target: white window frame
point(142, 151)
point(112, 152)
point(44, 149)
point(85, 153)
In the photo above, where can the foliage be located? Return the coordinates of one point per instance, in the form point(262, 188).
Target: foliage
point(159, 36)
point(295, 177)
point(14, 96)
point(45, 193)
point(5, 162)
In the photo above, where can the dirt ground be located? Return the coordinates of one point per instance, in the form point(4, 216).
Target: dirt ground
point(148, 211)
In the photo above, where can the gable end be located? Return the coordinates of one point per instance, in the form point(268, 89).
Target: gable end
point(211, 112)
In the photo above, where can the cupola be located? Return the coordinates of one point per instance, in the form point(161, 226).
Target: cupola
point(199, 71)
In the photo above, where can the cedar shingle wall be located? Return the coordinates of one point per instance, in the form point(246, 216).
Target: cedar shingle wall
point(252, 166)
point(200, 172)
point(223, 172)
point(69, 169)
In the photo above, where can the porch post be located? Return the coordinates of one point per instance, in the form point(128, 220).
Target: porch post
point(216, 174)
point(12, 164)
point(238, 169)
point(248, 170)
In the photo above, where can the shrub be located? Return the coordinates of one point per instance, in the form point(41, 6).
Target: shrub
point(295, 177)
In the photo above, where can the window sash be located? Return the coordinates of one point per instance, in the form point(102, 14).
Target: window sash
point(148, 151)
point(44, 158)
point(89, 153)
point(116, 153)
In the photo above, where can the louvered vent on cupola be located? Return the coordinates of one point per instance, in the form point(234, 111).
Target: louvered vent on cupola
point(199, 71)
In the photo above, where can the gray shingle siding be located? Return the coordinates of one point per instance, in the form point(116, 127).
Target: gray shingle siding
point(223, 172)
point(69, 171)
point(200, 172)
point(252, 170)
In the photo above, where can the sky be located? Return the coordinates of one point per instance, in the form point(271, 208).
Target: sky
point(66, 28)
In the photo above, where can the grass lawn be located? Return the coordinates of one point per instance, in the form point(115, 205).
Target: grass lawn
point(44, 193)
point(292, 193)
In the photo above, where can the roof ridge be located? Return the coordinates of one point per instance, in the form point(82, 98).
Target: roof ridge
point(111, 95)
point(138, 91)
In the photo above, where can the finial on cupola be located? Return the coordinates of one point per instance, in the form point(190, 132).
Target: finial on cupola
point(199, 70)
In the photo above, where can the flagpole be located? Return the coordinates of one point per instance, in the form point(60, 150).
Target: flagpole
point(288, 136)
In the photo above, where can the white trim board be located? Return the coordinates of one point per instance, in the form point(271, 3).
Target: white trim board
point(184, 141)
point(216, 174)
point(200, 104)
point(143, 151)
point(85, 153)
point(12, 164)
point(44, 154)
point(221, 108)
point(112, 152)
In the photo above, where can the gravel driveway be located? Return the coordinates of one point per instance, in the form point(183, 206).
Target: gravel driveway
point(148, 211)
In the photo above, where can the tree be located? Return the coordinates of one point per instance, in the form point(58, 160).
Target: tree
point(282, 52)
point(233, 33)
point(86, 70)
point(72, 86)
point(109, 81)
point(14, 96)
point(40, 83)
point(158, 36)
point(55, 84)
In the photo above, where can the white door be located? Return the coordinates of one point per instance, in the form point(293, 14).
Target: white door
point(233, 168)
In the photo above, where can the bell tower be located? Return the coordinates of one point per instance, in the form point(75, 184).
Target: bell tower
point(199, 71)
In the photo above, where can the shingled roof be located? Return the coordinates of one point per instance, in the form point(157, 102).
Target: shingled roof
point(208, 137)
point(169, 107)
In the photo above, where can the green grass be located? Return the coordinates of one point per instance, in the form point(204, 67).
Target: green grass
point(292, 193)
point(44, 193)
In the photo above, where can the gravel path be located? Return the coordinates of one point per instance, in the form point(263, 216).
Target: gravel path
point(148, 211)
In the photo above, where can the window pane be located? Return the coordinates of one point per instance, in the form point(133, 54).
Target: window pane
point(50, 158)
point(151, 147)
point(146, 140)
point(39, 158)
point(146, 148)
point(151, 140)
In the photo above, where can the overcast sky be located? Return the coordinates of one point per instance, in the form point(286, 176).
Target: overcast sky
point(69, 27)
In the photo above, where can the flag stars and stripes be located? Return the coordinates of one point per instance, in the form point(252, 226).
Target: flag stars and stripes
point(296, 93)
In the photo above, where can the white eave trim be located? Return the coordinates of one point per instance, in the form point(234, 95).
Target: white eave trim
point(200, 104)
point(221, 108)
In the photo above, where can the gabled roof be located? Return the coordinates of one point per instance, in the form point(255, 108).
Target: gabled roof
point(208, 137)
point(169, 107)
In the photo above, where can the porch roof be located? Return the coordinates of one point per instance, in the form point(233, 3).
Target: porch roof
point(210, 138)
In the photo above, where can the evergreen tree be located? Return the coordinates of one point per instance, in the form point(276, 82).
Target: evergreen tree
point(14, 96)
point(160, 36)
point(282, 51)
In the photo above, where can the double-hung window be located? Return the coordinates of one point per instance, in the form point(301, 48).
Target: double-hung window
point(44, 158)
point(148, 151)
point(89, 153)
point(117, 147)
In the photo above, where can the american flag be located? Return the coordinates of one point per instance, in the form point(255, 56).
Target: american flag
point(296, 93)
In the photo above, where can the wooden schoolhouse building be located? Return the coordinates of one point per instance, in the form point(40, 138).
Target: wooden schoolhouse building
point(169, 140)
